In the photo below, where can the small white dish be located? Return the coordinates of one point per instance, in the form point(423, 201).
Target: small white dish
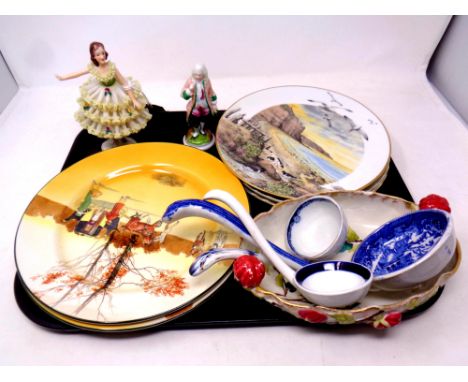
point(317, 228)
point(334, 284)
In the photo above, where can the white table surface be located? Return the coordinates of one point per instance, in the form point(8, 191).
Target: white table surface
point(429, 147)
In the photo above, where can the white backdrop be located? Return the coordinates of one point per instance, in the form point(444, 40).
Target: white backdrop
point(164, 48)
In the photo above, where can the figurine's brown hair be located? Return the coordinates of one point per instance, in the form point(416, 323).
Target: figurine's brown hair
point(95, 45)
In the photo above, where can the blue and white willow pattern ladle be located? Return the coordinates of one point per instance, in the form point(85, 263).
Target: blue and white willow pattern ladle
point(205, 209)
point(296, 277)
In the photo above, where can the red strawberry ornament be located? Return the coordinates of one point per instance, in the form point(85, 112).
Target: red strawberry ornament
point(249, 271)
point(388, 320)
point(312, 315)
point(434, 201)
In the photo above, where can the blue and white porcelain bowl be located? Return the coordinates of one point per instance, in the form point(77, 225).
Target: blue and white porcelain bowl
point(333, 283)
point(317, 228)
point(408, 250)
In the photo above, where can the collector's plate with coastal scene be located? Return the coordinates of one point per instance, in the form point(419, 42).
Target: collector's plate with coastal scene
point(289, 141)
point(91, 249)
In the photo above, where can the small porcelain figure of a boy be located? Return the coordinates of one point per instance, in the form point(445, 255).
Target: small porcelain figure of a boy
point(201, 108)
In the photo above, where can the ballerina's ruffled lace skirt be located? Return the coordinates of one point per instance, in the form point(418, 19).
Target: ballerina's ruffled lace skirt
point(106, 111)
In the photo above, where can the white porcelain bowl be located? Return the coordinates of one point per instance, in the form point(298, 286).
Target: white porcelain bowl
point(334, 284)
point(408, 250)
point(317, 228)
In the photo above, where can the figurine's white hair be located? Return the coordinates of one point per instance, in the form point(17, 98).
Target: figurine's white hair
point(200, 69)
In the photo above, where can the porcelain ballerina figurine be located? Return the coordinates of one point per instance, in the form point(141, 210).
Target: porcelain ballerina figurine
point(111, 106)
point(201, 108)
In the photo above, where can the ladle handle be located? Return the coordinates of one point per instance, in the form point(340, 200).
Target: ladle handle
point(254, 231)
point(211, 257)
point(202, 208)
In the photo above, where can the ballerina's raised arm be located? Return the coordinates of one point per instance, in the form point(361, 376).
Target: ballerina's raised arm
point(71, 75)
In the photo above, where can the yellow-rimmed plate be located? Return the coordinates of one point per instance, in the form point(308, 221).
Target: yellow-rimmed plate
point(290, 141)
point(90, 246)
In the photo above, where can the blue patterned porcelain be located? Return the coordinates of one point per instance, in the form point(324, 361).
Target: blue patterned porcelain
point(408, 250)
point(244, 225)
point(211, 257)
point(317, 228)
point(346, 288)
point(342, 294)
point(202, 208)
point(365, 212)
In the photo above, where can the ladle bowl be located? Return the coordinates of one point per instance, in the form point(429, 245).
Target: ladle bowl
point(343, 284)
point(317, 228)
point(334, 283)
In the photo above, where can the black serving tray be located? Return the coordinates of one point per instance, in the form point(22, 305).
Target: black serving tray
point(230, 305)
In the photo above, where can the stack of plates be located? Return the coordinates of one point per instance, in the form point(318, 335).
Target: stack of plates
point(289, 141)
point(90, 251)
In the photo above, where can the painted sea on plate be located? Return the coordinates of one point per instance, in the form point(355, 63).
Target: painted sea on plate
point(291, 149)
